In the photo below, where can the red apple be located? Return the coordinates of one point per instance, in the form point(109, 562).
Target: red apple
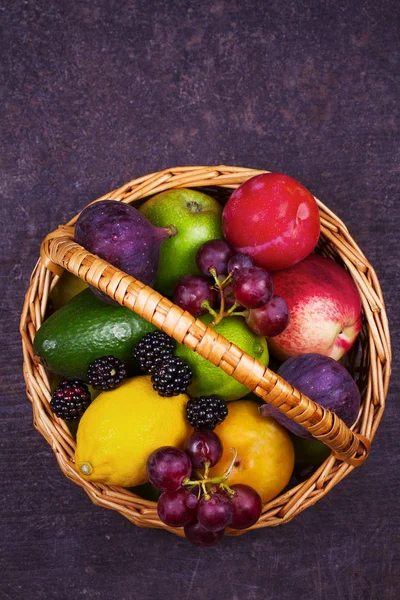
point(273, 219)
point(325, 309)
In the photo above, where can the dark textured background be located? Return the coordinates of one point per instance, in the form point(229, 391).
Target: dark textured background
point(97, 93)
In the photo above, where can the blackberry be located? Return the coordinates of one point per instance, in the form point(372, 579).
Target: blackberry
point(105, 373)
point(152, 350)
point(206, 412)
point(172, 377)
point(70, 400)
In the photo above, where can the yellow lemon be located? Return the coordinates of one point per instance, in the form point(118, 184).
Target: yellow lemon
point(265, 455)
point(122, 427)
point(65, 289)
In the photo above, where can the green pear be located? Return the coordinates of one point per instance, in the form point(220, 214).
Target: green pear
point(197, 218)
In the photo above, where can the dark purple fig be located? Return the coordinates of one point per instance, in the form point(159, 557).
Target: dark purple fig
point(122, 236)
point(323, 380)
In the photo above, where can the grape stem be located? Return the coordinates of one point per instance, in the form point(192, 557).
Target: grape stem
point(232, 311)
point(206, 304)
point(219, 480)
point(219, 286)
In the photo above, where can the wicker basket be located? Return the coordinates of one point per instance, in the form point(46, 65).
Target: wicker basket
point(369, 359)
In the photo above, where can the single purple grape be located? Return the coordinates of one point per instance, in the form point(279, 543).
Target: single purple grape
point(252, 287)
point(191, 290)
point(216, 513)
point(246, 506)
point(214, 254)
point(203, 446)
point(178, 508)
point(167, 467)
point(269, 319)
point(229, 296)
point(239, 261)
point(200, 536)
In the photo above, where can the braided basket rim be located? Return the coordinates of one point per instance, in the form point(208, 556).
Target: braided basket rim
point(376, 354)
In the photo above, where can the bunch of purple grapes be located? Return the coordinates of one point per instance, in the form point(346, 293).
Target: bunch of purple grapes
point(204, 506)
point(241, 283)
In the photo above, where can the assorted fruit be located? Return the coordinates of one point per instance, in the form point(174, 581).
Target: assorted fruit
point(232, 282)
point(85, 329)
point(210, 380)
point(197, 218)
point(167, 422)
point(204, 504)
point(121, 427)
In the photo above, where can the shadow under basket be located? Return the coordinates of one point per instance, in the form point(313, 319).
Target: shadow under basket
point(369, 361)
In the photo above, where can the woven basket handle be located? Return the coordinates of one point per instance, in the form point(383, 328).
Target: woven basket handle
point(59, 251)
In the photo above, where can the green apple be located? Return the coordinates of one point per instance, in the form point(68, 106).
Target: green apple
point(197, 218)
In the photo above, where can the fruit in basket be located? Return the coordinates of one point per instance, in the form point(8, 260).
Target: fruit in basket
point(194, 498)
point(121, 428)
point(178, 508)
point(214, 513)
point(239, 261)
point(214, 254)
point(203, 447)
point(172, 377)
point(272, 218)
point(191, 291)
point(309, 452)
point(200, 536)
point(325, 309)
point(197, 218)
point(106, 373)
point(211, 380)
point(252, 287)
point(325, 381)
point(122, 236)
point(153, 349)
point(206, 412)
point(70, 399)
point(65, 289)
point(270, 319)
point(167, 467)
point(246, 506)
point(85, 329)
point(265, 455)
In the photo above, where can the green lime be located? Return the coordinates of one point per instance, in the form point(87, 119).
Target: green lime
point(146, 491)
point(309, 452)
point(209, 379)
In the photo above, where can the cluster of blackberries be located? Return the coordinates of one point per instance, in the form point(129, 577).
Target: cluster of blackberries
point(72, 397)
point(170, 375)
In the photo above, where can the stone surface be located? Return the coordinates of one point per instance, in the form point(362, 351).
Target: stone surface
point(95, 94)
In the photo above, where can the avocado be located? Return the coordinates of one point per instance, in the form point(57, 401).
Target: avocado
point(85, 329)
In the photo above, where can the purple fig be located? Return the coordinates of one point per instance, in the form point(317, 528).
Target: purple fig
point(122, 236)
point(323, 380)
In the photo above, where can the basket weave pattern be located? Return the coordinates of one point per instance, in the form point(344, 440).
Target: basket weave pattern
point(369, 360)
